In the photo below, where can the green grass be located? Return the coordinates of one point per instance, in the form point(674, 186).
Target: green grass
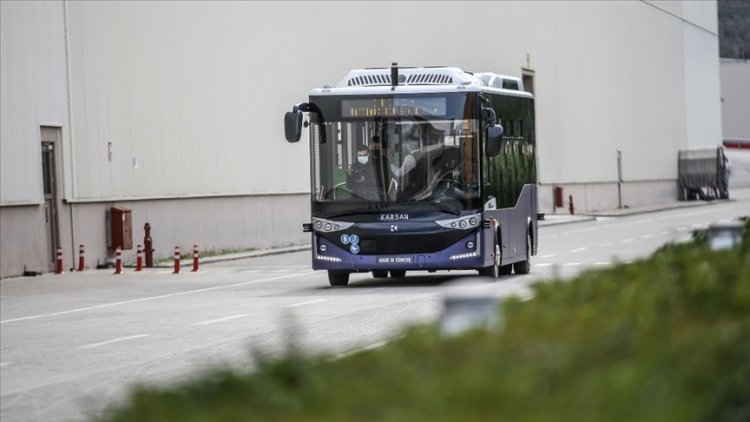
point(662, 339)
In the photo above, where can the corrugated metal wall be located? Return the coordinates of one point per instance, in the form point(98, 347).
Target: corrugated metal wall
point(34, 93)
point(185, 99)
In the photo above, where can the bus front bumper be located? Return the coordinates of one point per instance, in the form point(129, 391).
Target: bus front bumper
point(327, 256)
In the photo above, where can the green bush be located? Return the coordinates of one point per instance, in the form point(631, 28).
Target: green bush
point(662, 339)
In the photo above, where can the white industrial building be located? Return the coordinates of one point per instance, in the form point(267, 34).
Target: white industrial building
point(735, 101)
point(173, 110)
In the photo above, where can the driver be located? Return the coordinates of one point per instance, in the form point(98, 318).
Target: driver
point(409, 161)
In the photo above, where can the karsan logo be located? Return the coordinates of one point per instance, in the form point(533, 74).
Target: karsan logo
point(394, 217)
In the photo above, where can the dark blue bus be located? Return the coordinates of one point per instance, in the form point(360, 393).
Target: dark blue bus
point(420, 169)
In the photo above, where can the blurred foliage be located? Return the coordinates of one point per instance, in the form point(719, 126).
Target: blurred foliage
point(734, 29)
point(662, 339)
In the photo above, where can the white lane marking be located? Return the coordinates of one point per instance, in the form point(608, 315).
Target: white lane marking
point(627, 240)
point(309, 302)
point(117, 340)
point(145, 299)
point(372, 346)
point(647, 236)
point(548, 255)
point(4, 364)
point(578, 250)
point(572, 264)
point(602, 263)
point(543, 265)
point(286, 270)
point(220, 319)
point(664, 233)
point(604, 245)
point(681, 229)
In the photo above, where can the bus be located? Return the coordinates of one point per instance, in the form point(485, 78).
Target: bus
point(450, 158)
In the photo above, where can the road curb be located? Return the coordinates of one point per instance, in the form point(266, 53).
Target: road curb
point(549, 221)
point(245, 255)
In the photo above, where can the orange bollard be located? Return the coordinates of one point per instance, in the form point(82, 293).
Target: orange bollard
point(195, 258)
point(59, 263)
point(118, 261)
point(176, 260)
point(139, 259)
point(80, 258)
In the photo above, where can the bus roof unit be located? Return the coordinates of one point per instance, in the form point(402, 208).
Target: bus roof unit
point(428, 78)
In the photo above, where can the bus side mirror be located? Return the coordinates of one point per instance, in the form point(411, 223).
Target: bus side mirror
point(293, 125)
point(494, 140)
point(489, 116)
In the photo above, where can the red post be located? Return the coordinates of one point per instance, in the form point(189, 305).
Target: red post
point(81, 266)
point(176, 260)
point(118, 261)
point(195, 258)
point(139, 259)
point(59, 262)
point(148, 245)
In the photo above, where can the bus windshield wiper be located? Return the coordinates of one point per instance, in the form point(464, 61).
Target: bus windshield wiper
point(361, 210)
point(445, 207)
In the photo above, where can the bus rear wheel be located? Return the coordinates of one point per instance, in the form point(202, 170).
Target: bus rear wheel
point(524, 267)
point(338, 278)
point(398, 273)
point(380, 273)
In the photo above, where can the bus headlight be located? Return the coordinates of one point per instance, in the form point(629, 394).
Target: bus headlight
point(327, 226)
point(469, 244)
point(323, 248)
point(467, 222)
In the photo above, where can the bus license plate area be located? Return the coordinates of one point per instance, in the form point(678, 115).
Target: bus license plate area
point(395, 259)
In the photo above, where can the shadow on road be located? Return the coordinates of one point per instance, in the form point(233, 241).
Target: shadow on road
point(411, 281)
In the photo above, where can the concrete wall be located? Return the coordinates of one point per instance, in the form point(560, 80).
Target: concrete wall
point(735, 99)
point(215, 224)
point(176, 107)
point(23, 244)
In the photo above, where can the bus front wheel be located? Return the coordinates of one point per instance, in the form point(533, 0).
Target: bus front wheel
point(493, 271)
point(338, 278)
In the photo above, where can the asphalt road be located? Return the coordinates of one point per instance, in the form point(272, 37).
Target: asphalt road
point(72, 344)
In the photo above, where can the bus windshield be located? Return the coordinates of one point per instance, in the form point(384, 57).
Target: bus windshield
point(397, 161)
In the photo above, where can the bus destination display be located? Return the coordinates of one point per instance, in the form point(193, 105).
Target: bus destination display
point(393, 107)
